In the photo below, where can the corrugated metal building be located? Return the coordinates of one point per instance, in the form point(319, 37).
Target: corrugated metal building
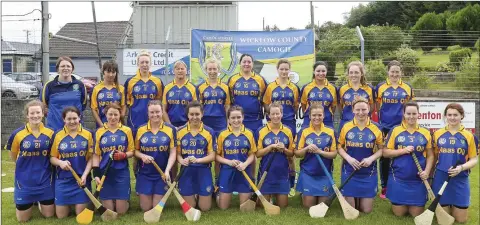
point(150, 22)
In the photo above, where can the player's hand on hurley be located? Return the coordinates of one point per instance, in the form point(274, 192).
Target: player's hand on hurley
point(119, 156)
point(83, 180)
point(234, 163)
point(97, 180)
point(241, 166)
point(455, 171)
point(366, 162)
point(185, 161)
point(65, 165)
point(408, 149)
point(147, 159)
point(167, 176)
point(313, 149)
point(353, 162)
point(423, 175)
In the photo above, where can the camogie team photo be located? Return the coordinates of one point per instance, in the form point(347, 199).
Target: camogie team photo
point(234, 147)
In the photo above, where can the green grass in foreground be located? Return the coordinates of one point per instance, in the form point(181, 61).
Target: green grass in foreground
point(293, 214)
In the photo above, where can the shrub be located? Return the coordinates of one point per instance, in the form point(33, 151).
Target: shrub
point(445, 67)
point(453, 47)
point(467, 78)
point(477, 45)
point(436, 50)
point(349, 60)
point(409, 59)
point(421, 81)
point(376, 72)
point(460, 57)
point(386, 60)
point(341, 80)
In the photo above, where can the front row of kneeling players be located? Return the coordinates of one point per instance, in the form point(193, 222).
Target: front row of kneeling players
point(360, 143)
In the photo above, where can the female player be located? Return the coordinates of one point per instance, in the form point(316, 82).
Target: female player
point(236, 152)
point(391, 96)
point(196, 144)
point(356, 86)
point(139, 90)
point(29, 148)
point(72, 148)
point(177, 95)
point(319, 91)
point(315, 139)
point(406, 191)
point(117, 138)
point(106, 92)
point(451, 144)
point(154, 142)
point(215, 98)
point(64, 90)
point(357, 140)
point(247, 90)
point(275, 138)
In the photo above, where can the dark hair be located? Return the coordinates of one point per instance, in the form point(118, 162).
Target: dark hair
point(394, 63)
point(282, 61)
point(456, 106)
point(113, 106)
point(194, 104)
point(70, 109)
point(234, 108)
point(245, 55)
point(111, 66)
point(410, 103)
point(319, 63)
point(64, 58)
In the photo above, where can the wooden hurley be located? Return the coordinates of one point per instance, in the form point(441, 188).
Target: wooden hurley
point(443, 218)
point(426, 217)
point(249, 205)
point(319, 211)
point(107, 214)
point(270, 209)
point(349, 212)
point(190, 213)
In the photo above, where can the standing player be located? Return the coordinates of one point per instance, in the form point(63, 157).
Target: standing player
point(391, 96)
point(29, 148)
point(196, 145)
point(315, 139)
point(236, 152)
point(72, 148)
point(451, 144)
point(319, 91)
point(154, 142)
point(406, 191)
point(360, 145)
point(275, 138)
point(113, 136)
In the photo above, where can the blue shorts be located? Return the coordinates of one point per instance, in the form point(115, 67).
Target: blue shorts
point(409, 193)
point(67, 191)
point(253, 125)
point(231, 180)
point(28, 195)
point(281, 188)
point(149, 186)
point(360, 186)
point(116, 185)
point(196, 180)
point(456, 193)
point(313, 185)
point(216, 123)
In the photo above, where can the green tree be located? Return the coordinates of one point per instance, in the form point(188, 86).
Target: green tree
point(465, 20)
point(428, 24)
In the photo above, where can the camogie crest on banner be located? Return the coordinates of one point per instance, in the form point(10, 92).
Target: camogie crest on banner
point(224, 52)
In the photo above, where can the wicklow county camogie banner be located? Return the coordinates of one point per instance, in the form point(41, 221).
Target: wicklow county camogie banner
point(266, 47)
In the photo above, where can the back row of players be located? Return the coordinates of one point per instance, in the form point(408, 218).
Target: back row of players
point(180, 128)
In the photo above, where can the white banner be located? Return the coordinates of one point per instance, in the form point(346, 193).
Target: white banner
point(431, 115)
point(158, 60)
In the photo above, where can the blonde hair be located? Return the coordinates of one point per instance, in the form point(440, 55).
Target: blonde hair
point(359, 99)
point(32, 103)
point(143, 52)
point(211, 61)
point(363, 79)
point(178, 62)
point(282, 61)
point(275, 104)
point(316, 106)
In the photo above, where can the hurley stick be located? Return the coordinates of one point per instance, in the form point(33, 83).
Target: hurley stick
point(443, 218)
point(269, 208)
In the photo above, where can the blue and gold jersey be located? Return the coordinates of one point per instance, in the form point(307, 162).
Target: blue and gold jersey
point(287, 96)
point(391, 102)
point(32, 169)
point(77, 150)
point(107, 141)
point(137, 94)
point(232, 146)
point(177, 97)
point(214, 98)
point(346, 95)
point(404, 167)
point(449, 147)
point(360, 144)
point(156, 145)
point(265, 136)
point(102, 96)
point(248, 93)
point(325, 140)
point(326, 96)
point(199, 145)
